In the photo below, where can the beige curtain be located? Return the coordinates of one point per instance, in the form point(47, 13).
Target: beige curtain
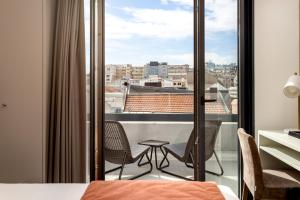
point(66, 138)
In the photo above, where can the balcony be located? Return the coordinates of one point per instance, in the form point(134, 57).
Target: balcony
point(177, 129)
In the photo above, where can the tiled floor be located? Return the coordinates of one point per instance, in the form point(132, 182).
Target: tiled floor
point(228, 160)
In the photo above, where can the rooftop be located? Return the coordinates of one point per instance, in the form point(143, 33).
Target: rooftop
point(170, 103)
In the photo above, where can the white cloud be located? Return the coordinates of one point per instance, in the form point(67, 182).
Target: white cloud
point(180, 2)
point(220, 59)
point(176, 24)
point(151, 23)
point(188, 58)
point(221, 15)
point(185, 58)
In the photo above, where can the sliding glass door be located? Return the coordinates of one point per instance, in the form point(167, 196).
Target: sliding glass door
point(169, 73)
point(149, 81)
point(221, 92)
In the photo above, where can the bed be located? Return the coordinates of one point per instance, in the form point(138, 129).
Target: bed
point(63, 191)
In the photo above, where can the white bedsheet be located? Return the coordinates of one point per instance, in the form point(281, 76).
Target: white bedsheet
point(62, 191)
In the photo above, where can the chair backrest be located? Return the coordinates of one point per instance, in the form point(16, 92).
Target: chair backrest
point(116, 143)
point(253, 176)
point(212, 128)
point(211, 132)
point(189, 148)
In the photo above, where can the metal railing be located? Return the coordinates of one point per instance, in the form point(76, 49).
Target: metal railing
point(180, 117)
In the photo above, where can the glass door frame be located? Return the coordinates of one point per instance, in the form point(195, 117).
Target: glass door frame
point(97, 100)
point(246, 82)
point(246, 75)
point(199, 91)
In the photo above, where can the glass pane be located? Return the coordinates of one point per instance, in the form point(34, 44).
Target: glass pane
point(87, 71)
point(148, 80)
point(221, 88)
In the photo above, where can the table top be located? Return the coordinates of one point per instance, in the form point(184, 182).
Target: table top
point(154, 143)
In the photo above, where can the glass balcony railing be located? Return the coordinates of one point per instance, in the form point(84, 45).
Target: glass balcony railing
point(175, 131)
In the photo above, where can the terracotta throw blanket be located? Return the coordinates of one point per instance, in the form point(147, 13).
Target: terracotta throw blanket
point(152, 190)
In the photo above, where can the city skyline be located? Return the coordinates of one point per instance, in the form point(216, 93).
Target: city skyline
point(167, 63)
point(167, 74)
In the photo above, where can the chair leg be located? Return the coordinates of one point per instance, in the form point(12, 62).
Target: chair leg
point(192, 166)
point(141, 164)
point(121, 171)
point(161, 168)
point(219, 163)
point(114, 169)
point(117, 168)
point(188, 165)
point(144, 173)
point(122, 167)
point(176, 175)
point(245, 192)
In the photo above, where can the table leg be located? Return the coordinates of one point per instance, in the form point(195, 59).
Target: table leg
point(142, 164)
point(151, 153)
point(155, 151)
point(164, 158)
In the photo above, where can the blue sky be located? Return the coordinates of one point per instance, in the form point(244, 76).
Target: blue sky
point(138, 31)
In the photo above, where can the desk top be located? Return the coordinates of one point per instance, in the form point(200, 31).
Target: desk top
point(282, 138)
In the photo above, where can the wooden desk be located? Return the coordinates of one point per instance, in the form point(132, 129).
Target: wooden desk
point(278, 150)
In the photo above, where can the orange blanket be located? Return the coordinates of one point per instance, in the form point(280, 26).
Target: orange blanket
point(152, 190)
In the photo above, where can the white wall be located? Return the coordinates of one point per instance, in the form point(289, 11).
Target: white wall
point(25, 54)
point(276, 58)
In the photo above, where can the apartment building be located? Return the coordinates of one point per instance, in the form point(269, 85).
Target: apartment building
point(176, 72)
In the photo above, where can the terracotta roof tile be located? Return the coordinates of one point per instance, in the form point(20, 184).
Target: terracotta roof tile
point(169, 103)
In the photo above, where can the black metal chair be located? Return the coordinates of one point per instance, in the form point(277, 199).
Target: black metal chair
point(118, 151)
point(184, 151)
